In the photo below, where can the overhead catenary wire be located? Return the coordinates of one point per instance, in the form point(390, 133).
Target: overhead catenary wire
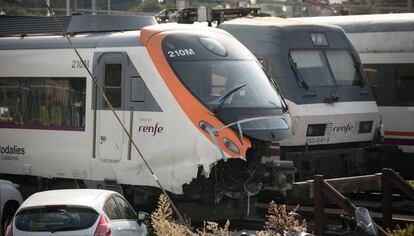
point(101, 91)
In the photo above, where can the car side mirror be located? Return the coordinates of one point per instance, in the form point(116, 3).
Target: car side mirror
point(364, 221)
point(143, 217)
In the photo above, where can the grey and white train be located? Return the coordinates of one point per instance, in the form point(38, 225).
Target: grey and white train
point(334, 113)
point(385, 43)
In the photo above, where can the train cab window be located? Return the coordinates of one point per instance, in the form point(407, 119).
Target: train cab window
point(343, 67)
point(318, 68)
point(43, 103)
point(311, 66)
point(218, 80)
point(405, 83)
point(219, 73)
point(113, 84)
point(263, 63)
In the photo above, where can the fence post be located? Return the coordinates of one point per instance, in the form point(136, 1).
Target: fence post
point(386, 199)
point(319, 205)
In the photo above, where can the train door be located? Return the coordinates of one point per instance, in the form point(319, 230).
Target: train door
point(110, 71)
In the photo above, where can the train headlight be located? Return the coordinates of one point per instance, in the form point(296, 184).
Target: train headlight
point(316, 130)
point(231, 146)
point(206, 127)
point(282, 180)
point(319, 39)
point(365, 127)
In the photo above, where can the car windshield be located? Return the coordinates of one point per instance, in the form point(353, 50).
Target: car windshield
point(229, 83)
point(55, 218)
point(317, 68)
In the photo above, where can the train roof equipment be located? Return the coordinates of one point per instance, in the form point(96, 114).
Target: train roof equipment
point(366, 23)
point(76, 24)
point(191, 15)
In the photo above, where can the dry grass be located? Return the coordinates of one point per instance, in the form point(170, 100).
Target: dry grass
point(407, 231)
point(163, 223)
point(277, 219)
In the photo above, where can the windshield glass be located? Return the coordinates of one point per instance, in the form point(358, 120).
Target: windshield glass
point(242, 82)
point(56, 218)
point(343, 67)
point(219, 71)
point(320, 68)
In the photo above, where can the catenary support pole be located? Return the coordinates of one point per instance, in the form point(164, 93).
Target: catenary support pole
point(68, 7)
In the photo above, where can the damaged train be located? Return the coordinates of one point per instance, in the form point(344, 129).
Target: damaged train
point(195, 100)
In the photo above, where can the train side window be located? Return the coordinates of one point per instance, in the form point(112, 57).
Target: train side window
point(137, 89)
point(405, 83)
point(43, 103)
point(113, 84)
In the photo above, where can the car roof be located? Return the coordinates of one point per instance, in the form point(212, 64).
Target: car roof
point(2, 181)
point(74, 197)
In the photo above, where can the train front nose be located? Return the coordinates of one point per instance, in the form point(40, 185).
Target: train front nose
point(260, 124)
point(267, 128)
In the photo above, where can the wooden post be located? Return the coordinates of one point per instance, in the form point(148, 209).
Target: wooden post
point(319, 205)
point(386, 199)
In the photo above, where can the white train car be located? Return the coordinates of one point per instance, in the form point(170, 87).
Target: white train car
point(385, 44)
point(334, 113)
point(195, 100)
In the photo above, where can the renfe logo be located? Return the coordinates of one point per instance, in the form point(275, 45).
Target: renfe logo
point(12, 150)
point(343, 129)
point(151, 129)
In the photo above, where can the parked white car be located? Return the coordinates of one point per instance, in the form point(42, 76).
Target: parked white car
point(10, 200)
point(76, 212)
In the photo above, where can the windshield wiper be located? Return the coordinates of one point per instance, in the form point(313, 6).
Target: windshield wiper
point(297, 73)
point(225, 96)
point(358, 67)
point(279, 92)
point(67, 228)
